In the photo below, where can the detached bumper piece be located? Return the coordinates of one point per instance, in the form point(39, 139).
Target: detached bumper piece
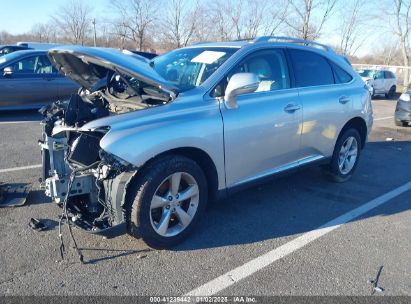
point(13, 195)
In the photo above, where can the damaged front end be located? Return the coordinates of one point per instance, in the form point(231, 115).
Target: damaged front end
point(88, 182)
point(77, 173)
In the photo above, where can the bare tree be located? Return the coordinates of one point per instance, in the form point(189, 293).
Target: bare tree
point(245, 19)
point(180, 22)
point(222, 28)
point(401, 28)
point(275, 18)
point(350, 25)
point(74, 20)
point(307, 17)
point(44, 32)
point(136, 18)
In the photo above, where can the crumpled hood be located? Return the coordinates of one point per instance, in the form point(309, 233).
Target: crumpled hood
point(87, 66)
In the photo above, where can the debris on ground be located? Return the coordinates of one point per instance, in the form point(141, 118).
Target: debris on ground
point(37, 225)
point(14, 195)
point(389, 139)
point(374, 283)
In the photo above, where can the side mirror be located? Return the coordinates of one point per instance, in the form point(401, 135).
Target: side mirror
point(240, 83)
point(7, 71)
point(374, 77)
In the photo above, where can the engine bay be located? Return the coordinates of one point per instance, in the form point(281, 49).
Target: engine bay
point(86, 181)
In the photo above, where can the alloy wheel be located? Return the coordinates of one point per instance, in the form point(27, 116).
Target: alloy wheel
point(348, 155)
point(174, 204)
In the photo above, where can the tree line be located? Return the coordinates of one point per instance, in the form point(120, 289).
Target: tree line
point(161, 25)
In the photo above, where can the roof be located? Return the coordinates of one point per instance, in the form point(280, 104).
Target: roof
point(279, 40)
point(229, 44)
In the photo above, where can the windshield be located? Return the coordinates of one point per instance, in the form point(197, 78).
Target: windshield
point(189, 67)
point(367, 73)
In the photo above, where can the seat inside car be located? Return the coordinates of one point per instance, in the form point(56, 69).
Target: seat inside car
point(270, 78)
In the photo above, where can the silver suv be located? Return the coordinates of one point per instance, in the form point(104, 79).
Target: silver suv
point(145, 144)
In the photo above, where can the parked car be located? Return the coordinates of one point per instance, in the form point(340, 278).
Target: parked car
point(380, 82)
point(144, 146)
point(7, 49)
point(28, 81)
point(403, 110)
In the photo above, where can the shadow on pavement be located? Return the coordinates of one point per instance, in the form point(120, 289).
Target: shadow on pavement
point(304, 201)
point(19, 116)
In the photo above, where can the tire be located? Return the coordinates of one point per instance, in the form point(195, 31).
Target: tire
point(400, 123)
point(373, 93)
point(391, 93)
point(335, 172)
point(144, 219)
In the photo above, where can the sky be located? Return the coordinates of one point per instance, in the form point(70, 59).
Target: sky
point(18, 16)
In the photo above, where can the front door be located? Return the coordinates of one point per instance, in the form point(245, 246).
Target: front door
point(262, 135)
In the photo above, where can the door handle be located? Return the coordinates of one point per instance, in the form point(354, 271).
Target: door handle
point(291, 108)
point(344, 99)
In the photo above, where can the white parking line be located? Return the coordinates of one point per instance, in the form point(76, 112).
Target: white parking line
point(20, 168)
point(230, 278)
point(18, 122)
point(383, 118)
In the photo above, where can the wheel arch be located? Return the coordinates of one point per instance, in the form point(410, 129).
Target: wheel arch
point(202, 158)
point(360, 125)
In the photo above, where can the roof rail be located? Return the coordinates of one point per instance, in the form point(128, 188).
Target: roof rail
point(292, 40)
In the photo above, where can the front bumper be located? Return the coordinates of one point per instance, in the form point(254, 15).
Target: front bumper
point(95, 204)
point(403, 111)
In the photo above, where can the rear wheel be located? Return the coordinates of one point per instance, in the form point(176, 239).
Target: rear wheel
point(400, 123)
point(391, 93)
point(346, 155)
point(166, 201)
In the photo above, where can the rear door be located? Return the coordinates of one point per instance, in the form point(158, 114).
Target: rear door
point(389, 80)
point(326, 97)
point(30, 84)
point(379, 82)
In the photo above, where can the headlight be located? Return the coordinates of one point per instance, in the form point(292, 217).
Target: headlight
point(405, 97)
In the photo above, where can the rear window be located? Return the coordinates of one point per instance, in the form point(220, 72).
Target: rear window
point(341, 76)
point(311, 69)
point(389, 75)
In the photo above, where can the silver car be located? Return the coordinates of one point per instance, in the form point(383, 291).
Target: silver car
point(29, 81)
point(144, 146)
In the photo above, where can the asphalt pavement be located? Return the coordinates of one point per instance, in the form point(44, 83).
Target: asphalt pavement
point(264, 233)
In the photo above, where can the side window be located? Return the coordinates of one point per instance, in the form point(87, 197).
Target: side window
point(269, 65)
point(379, 75)
point(43, 65)
point(387, 75)
point(33, 65)
point(311, 69)
point(25, 66)
point(341, 76)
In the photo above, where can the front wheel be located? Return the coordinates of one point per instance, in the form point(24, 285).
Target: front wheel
point(345, 157)
point(167, 199)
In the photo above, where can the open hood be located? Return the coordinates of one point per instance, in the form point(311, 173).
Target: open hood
point(87, 66)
